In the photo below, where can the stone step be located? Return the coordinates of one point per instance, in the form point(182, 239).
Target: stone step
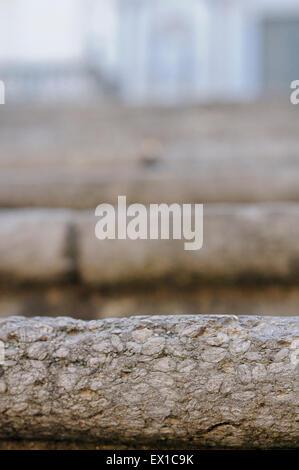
point(218, 381)
point(81, 157)
point(242, 242)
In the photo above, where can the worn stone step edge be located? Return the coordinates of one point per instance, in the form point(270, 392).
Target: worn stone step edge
point(241, 242)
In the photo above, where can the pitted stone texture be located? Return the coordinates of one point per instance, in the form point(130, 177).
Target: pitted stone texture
point(213, 381)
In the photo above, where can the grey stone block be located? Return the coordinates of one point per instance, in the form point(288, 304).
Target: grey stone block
point(213, 381)
point(34, 245)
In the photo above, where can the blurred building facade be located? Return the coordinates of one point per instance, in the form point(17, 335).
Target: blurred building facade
point(57, 49)
point(148, 50)
point(207, 49)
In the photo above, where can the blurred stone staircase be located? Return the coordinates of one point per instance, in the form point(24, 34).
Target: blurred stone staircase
point(57, 164)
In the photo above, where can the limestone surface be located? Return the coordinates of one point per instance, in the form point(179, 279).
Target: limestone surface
point(220, 381)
